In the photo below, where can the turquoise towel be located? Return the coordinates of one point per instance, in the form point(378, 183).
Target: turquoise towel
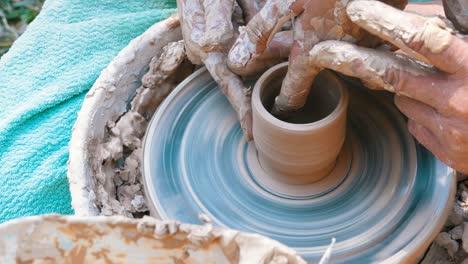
point(43, 80)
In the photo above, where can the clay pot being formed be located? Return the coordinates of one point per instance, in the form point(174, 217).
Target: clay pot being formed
point(303, 148)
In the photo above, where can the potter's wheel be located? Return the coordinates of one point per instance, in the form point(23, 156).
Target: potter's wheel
point(386, 201)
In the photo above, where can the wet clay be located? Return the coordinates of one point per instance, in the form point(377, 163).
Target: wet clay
point(103, 169)
point(303, 148)
point(118, 181)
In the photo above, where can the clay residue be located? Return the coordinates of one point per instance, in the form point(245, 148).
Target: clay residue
point(118, 187)
point(71, 239)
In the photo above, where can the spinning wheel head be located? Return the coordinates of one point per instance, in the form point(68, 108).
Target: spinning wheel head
point(385, 199)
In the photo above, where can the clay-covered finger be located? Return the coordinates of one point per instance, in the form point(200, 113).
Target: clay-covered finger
point(253, 38)
point(383, 70)
point(192, 19)
point(421, 114)
point(426, 39)
point(233, 88)
point(277, 51)
point(218, 30)
point(297, 83)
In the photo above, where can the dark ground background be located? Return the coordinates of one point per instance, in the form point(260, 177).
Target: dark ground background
point(15, 15)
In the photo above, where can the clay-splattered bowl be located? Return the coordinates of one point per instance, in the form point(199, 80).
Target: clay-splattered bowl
point(303, 148)
point(73, 239)
point(92, 187)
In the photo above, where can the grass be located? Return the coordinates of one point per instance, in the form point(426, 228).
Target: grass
point(15, 15)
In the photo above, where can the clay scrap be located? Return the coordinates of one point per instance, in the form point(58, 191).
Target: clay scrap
point(92, 170)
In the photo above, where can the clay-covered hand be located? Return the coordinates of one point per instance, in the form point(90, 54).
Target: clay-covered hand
point(208, 32)
point(316, 20)
point(431, 83)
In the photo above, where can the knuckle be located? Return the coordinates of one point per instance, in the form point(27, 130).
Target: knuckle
point(457, 140)
point(462, 110)
point(416, 43)
point(395, 77)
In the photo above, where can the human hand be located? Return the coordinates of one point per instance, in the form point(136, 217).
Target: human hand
point(317, 20)
point(431, 84)
point(209, 28)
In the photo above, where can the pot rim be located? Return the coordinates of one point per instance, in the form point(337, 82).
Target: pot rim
point(258, 106)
